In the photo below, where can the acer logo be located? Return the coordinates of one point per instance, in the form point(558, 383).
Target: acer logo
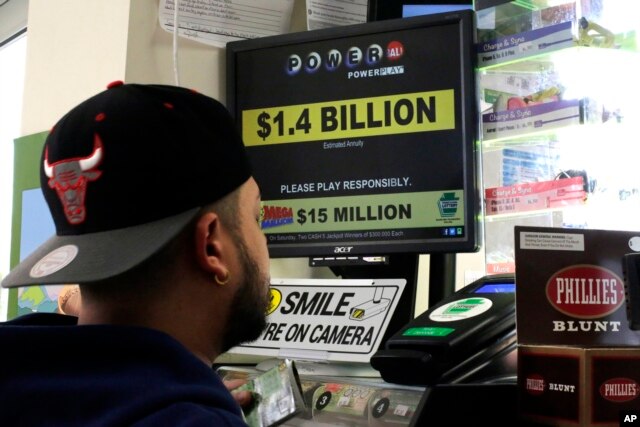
point(585, 291)
point(342, 249)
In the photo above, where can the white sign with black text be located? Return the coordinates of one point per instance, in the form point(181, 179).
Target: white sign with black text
point(337, 319)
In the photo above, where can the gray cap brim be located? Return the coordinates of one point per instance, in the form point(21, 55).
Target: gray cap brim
point(95, 256)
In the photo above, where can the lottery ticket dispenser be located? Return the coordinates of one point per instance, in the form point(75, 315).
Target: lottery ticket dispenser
point(468, 337)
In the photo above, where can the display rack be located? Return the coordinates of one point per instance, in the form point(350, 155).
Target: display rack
point(557, 117)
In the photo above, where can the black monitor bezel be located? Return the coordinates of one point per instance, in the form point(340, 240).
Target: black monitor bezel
point(380, 10)
point(471, 186)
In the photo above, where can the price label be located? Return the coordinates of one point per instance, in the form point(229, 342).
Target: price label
point(265, 123)
point(312, 215)
point(383, 115)
point(380, 212)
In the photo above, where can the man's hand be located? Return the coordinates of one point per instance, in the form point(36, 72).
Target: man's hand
point(244, 398)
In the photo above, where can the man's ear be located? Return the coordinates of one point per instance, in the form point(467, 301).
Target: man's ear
point(210, 245)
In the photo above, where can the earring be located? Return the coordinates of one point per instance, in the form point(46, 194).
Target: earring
point(222, 281)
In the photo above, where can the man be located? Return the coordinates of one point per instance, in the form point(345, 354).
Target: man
point(158, 220)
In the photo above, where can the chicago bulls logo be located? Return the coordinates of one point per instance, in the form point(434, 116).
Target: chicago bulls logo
point(69, 178)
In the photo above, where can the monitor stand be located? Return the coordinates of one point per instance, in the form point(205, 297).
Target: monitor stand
point(398, 266)
point(442, 274)
point(442, 277)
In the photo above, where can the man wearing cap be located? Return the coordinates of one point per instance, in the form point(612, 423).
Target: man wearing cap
point(158, 220)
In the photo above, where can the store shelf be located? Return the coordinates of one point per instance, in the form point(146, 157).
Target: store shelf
point(568, 88)
point(557, 100)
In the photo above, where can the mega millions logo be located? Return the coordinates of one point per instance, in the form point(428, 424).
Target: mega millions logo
point(360, 62)
point(273, 216)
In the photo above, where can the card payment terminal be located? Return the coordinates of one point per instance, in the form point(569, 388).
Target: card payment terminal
point(468, 337)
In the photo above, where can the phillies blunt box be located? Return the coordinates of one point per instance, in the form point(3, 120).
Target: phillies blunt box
point(570, 287)
point(572, 386)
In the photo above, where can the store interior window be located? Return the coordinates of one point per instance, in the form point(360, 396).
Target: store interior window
point(12, 70)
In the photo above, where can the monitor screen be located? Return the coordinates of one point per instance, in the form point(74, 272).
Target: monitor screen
point(378, 10)
point(362, 137)
point(499, 288)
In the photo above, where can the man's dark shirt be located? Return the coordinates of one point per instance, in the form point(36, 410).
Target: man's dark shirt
point(55, 373)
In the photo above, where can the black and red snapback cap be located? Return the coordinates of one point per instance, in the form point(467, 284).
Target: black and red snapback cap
point(123, 173)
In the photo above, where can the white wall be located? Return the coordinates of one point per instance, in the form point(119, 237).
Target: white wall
point(76, 47)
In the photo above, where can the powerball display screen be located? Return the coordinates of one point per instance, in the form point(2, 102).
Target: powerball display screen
point(360, 143)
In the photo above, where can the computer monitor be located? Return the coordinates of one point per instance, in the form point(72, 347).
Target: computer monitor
point(378, 10)
point(362, 137)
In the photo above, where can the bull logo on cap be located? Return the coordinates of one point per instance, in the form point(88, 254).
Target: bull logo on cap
point(70, 177)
